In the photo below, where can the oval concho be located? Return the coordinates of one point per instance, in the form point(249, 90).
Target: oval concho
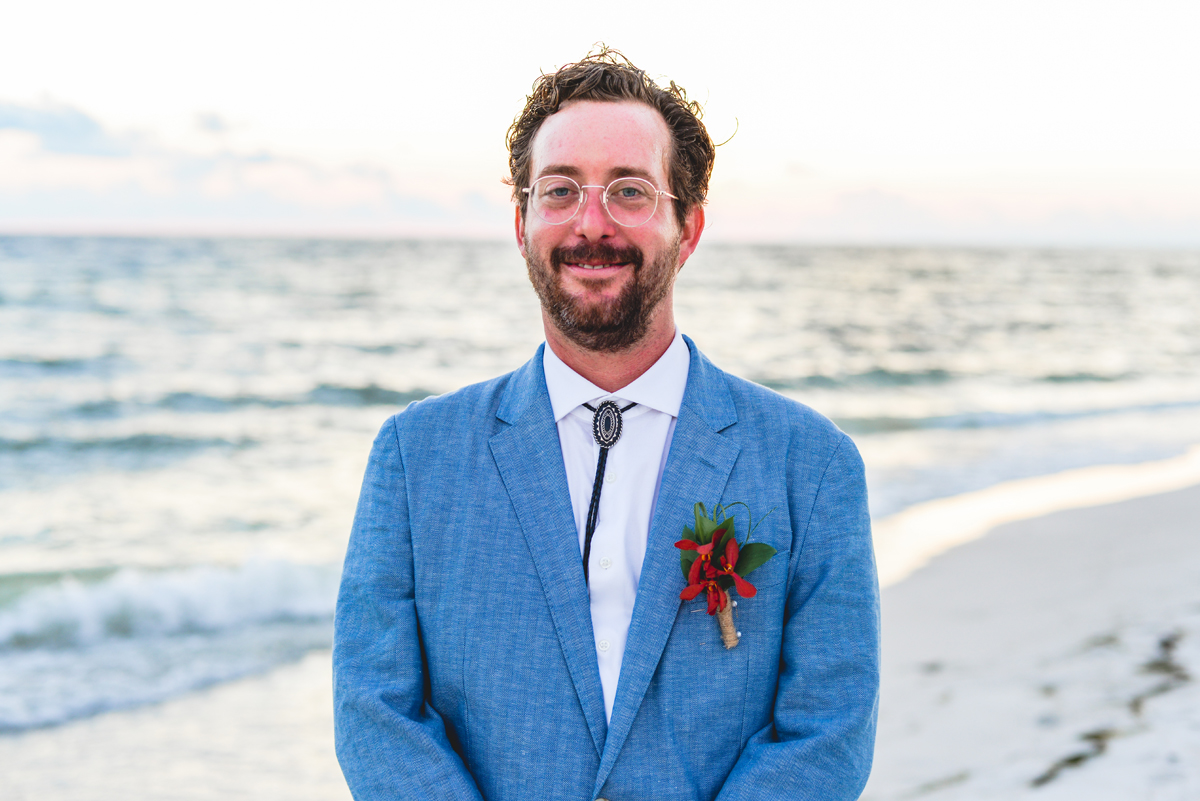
point(606, 424)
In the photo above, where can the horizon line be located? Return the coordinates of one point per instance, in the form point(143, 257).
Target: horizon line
point(481, 235)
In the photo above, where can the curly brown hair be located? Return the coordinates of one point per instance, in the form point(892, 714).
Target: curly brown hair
point(607, 75)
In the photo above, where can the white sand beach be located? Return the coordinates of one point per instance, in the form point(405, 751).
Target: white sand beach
point(1053, 658)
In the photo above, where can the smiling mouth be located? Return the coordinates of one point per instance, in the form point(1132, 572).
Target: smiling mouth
point(596, 257)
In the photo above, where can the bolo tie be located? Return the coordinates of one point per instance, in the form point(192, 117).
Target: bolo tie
point(606, 430)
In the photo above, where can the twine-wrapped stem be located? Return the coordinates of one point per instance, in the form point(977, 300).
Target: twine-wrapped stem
point(729, 635)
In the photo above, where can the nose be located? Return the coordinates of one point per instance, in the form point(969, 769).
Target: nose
point(592, 221)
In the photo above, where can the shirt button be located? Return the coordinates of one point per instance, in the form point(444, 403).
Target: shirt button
point(610, 478)
point(606, 563)
point(603, 645)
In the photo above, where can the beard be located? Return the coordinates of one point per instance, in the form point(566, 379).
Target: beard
point(608, 325)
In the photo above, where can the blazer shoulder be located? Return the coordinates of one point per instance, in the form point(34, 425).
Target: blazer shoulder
point(471, 408)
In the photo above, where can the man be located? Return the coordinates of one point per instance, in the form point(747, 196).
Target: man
point(510, 623)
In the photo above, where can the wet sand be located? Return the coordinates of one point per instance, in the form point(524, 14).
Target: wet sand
point(263, 738)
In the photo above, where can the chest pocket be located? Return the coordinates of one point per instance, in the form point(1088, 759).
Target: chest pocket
point(777, 534)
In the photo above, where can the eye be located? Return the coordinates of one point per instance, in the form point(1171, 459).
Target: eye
point(629, 190)
point(558, 189)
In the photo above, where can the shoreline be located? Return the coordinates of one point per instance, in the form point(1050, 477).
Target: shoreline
point(907, 541)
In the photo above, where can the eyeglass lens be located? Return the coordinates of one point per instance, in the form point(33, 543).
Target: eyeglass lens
point(629, 201)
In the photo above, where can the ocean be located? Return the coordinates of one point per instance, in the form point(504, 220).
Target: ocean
point(184, 422)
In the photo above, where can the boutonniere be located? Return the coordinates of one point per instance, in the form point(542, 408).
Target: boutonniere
point(713, 561)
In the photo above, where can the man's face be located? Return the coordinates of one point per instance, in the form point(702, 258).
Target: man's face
point(602, 285)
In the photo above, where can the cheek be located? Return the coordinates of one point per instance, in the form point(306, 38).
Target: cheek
point(539, 237)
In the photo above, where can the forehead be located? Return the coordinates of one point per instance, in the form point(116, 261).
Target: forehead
point(596, 140)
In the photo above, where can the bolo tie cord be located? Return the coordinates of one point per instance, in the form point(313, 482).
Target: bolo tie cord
point(606, 430)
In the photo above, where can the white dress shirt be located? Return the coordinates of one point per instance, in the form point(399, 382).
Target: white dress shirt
point(632, 475)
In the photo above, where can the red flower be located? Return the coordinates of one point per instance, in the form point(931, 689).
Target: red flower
point(728, 563)
point(705, 550)
point(703, 574)
point(717, 597)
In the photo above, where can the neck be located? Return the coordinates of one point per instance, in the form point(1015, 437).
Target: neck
point(613, 370)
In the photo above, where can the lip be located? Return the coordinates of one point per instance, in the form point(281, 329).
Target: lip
point(597, 268)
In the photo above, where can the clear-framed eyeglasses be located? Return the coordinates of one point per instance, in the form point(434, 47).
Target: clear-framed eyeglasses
point(630, 202)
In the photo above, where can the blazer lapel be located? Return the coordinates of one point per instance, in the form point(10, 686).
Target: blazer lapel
point(529, 458)
point(697, 469)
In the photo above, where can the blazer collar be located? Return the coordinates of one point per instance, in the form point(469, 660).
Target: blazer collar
point(698, 469)
point(526, 388)
point(707, 392)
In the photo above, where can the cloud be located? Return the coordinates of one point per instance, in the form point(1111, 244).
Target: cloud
point(62, 169)
point(62, 129)
point(211, 123)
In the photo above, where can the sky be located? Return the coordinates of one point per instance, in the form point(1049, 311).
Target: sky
point(1057, 122)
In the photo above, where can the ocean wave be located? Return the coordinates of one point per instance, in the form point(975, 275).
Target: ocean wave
point(321, 395)
point(878, 377)
point(72, 647)
point(370, 395)
point(135, 443)
point(967, 420)
point(1085, 378)
point(204, 403)
point(131, 604)
point(52, 364)
point(882, 378)
point(201, 402)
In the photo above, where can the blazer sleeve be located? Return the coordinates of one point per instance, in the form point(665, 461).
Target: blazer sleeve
point(390, 742)
point(821, 743)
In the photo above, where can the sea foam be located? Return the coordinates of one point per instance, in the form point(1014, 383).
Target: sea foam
point(72, 648)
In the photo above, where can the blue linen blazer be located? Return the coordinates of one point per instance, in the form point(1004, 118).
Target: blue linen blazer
point(464, 659)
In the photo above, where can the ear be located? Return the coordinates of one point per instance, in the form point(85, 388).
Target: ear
point(520, 227)
point(689, 237)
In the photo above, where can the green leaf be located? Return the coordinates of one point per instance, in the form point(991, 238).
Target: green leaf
point(701, 515)
point(729, 524)
point(752, 556)
point(685, 561)
point(688, 534)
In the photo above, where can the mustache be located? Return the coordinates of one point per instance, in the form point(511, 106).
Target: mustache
point(599, 251)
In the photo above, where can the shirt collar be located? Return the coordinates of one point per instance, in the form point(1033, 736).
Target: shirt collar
point(660, 388)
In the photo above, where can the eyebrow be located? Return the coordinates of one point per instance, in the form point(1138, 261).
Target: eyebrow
point(614, 173)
